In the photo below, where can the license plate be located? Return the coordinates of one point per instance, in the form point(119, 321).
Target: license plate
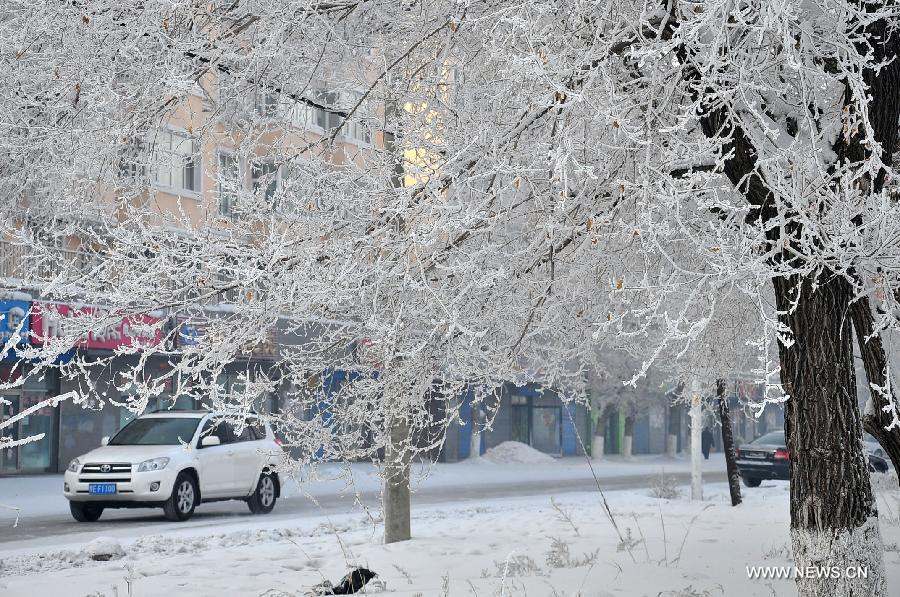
point(101, 488)
point(756, 455)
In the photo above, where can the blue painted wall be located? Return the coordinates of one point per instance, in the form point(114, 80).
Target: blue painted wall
point(569, 437)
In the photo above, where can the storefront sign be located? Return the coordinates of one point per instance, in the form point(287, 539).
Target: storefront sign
point(54, 320)
point(15, 314)
point(189, 334)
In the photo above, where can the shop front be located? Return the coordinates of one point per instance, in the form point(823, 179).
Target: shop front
point(82, 425)
point(529, 414)
point(537, 418)
point(39, 455)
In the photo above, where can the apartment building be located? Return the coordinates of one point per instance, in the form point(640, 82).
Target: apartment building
point(186, 181)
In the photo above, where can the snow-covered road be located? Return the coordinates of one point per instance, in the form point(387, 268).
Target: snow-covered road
point(44, 519)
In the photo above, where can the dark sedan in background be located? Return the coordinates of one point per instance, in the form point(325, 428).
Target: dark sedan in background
point(767, 457)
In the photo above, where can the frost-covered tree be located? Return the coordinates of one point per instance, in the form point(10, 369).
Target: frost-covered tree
point(576, 176)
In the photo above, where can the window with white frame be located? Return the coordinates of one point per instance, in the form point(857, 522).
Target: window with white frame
point(357, 130)
point(299, 115)
point(360, 132)
point(323, 117)
point(176, 161)
point(228, 182)
point(265, 176)
point(267, 102)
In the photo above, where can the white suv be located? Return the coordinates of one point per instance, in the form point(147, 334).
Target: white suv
point(176, 460)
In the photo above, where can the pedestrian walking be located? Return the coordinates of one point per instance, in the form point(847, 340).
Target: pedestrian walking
point(706, 440)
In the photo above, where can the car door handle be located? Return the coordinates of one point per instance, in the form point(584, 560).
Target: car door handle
point(231, 453)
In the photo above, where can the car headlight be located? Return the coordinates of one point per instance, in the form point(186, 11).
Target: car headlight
point(154, 464)
point(74, 465)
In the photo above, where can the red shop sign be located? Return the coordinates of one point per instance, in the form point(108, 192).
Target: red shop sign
point(48, 320)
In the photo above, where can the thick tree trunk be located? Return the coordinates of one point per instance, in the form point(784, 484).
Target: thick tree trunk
point(875, 417)
point(734, 477)
point(834, 519)
point(671, 445)
point(399, 386)
point(696, 414)
point(396, 483)
point(475, 440)
point(629, 436)
point(598, 445)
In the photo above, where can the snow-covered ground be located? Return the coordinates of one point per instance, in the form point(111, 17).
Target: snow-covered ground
point(475, 545)
point(522, 546)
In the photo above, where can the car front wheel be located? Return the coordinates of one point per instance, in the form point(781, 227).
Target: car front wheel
point(263, 499)
point(85, 512)
point(751, 481)
point(181, 504)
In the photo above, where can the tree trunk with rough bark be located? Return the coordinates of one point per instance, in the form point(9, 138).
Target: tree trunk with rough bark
point(734, 476)
point(875, 418)
point(696, 414)
point(834, 519)
point(599, 443)
point(396, 501)
point(475, 440)
point(399, 385)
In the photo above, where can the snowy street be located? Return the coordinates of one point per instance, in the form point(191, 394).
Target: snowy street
point(44, 518)
point(518, 298)
point(497, 546)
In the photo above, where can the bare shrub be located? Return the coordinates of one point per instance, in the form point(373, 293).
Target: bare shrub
point(665, 487)
point(628, 542)
point(559, 556)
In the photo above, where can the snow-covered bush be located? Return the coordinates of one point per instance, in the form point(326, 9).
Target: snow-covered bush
point(665, 487)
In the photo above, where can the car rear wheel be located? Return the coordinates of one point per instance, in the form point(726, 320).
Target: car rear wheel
point(751, 481)
point(85, 512)
point(181, 504)
point(263, 499)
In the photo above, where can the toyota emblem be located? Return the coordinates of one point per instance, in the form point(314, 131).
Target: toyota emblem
point(105, 468)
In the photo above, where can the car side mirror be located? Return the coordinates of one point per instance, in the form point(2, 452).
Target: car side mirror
point(104, 440)
point(209, 441)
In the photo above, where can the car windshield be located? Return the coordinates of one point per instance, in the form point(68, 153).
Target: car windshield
point(776, 438)
point(156, 431)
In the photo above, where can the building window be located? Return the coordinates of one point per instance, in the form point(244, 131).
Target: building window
point(176, 162)
point(360, 132)
point(323, 117)
point(357, 130)
point(265, 174)
point(267, 103)
point(228, 183)
point(298, 115)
